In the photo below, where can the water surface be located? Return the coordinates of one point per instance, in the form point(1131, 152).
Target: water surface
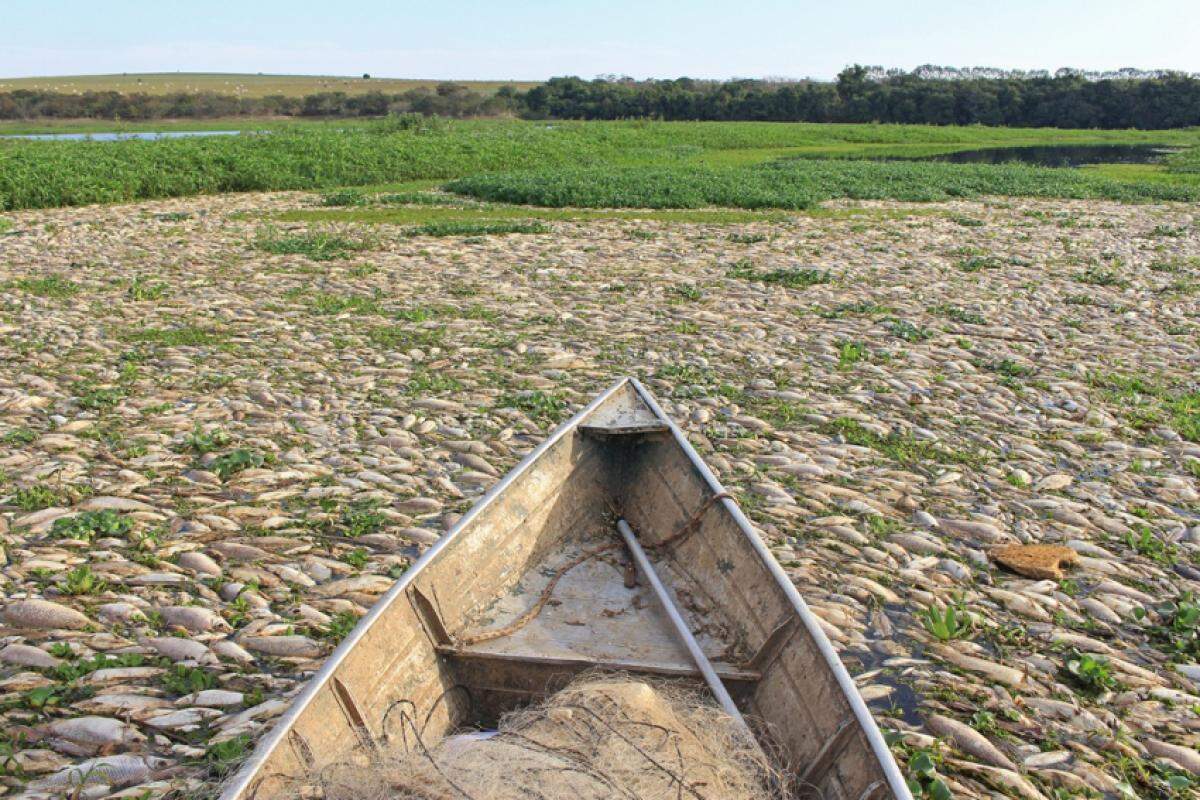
point(1067, 155)
point(115, 136)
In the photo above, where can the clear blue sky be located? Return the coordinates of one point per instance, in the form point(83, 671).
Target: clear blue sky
point(501, 39)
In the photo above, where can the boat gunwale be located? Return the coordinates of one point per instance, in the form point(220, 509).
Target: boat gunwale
point(249, 770)
point(862, 714)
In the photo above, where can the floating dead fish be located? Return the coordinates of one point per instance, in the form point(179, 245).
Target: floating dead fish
point(178, 649)
point(42, 614)
point(26, 656)
point(194, 618)
point(96, 732)
point(115, 771)
point(284, 646)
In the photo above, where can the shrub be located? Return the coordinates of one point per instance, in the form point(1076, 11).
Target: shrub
point(360, 519)
point(952, 622)
point(850, 353)
point(181, 679)
point(1180, 628)
point(201, 441)
point(468, 228)
point(90, 524)
point(54, 286)
point(82, 580)
point(34, 498)
point(536, 404)
point(1091, 673)
point(791, 278)
point(344, 197)
point(222, 758)
point(316, 245)
point(142, 289)
point(236, 461)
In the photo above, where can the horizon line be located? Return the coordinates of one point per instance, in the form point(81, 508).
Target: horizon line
point(768, 78)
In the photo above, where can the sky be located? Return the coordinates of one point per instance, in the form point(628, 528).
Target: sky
point(537, 39)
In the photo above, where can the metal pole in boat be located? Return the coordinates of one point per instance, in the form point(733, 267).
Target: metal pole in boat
point(681, 628)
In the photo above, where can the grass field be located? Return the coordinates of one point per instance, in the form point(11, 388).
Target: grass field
point(243, 85)
point(654, 164)
point(408, 205)
point(802, 183)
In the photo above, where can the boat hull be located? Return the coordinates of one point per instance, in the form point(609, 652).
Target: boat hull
point(454, 642)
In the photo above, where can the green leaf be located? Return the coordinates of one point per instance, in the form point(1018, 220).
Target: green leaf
point(938, 790)
point(921, 763)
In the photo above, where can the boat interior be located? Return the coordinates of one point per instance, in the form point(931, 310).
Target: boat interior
point(536, 587)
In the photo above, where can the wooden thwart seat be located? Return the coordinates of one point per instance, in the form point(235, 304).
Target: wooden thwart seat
point(501, 681)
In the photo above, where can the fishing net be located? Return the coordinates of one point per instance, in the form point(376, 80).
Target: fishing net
point(598, 739)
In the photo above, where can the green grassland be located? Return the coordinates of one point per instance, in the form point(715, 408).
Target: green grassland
point(401, 205)
point(421, 212)
point(243, 85)
point(594, 164)
point(801, 184)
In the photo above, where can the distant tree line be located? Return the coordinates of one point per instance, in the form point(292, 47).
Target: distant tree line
point(445, 99)
point(1069, 99)
point(930, 95)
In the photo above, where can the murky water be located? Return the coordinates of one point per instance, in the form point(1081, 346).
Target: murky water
point(116, 136)
point(1058, 155)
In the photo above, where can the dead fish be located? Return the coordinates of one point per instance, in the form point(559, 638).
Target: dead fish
point(38, 762)
point(134, 705)
point(295, 646)
point(95, 731)
point(24, 655)
point(114, 504)
point(200, 563)
point(194, 618)
point(115, 771)
point(212, 698)
point(1019, 604)
point(1185, 757)
point(24, 681)
point(178, 649)
point(292, 575)
point(367, 584)
point(114, 674)
point(419, 505)
point(43, 615)
point(183, 719)
point(268, 710)
point(420, 535)
point(119, 612)
point(39, 518)
point(233, 651)
point(235, 551)
point(156, 579)
point(969, 740)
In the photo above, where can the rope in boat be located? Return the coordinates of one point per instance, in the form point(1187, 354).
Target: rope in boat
point(520, 622)
point(690, 525)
